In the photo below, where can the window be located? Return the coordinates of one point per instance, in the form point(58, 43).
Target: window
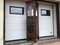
point(45, 12)
point(16, 10)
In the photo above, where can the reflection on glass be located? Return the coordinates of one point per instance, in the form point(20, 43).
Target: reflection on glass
point(45, 12)
point(36, 13)
point(16, 10)
point(30, 11)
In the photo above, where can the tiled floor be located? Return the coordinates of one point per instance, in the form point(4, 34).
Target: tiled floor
point(42, 42)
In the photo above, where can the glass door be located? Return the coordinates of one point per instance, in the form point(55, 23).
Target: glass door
point(31, 11)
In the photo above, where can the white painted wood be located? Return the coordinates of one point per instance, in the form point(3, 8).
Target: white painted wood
point(15, 25)
point(45, 22)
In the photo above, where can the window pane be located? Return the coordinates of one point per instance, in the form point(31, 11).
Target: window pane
point(45, 12)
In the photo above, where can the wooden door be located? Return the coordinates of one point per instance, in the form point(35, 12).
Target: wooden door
point(31, 20)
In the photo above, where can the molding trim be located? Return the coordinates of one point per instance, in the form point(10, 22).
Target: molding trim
point(15, 40)
point(57, 16)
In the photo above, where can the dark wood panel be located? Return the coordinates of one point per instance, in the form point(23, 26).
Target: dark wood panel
point(32, 22)
point(57, 15)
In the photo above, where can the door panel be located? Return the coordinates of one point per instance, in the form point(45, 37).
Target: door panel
point(31, 20)
point(45, 20)
point(15, 24)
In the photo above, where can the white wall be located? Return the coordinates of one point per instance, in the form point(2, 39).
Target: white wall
point(15, 25)
point(55, 21)
point(1, 21)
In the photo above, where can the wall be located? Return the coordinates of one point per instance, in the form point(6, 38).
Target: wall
point(59, 14)
point(59, 11)
point(55, 20)
point(53, 0)
point(59, 22)
point(15, 25)
point(1, 22)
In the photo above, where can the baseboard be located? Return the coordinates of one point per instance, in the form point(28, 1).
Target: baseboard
point(16, 40)
point(47, 36)
point(26, 38)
